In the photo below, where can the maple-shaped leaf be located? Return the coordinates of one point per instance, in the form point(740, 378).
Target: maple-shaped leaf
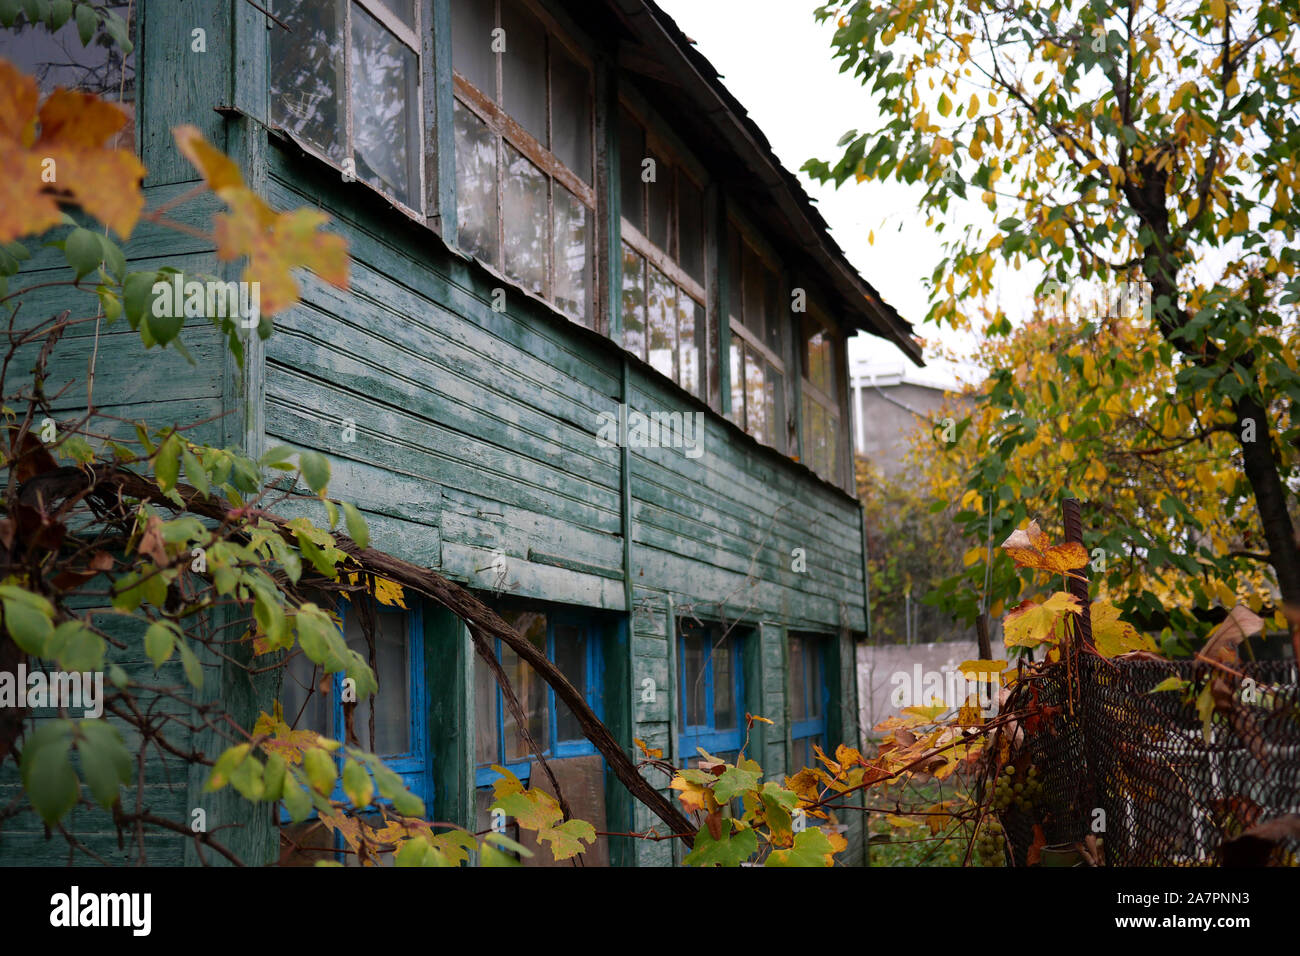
point(729, 849)
point(1113, 636)
point(806, 783)
point(531, 809)
point(274, 243)
point(68, 161)
point(566, 838)
point(283, 739)
point(1030, 624)
point(1030, 549)
point(694, 796)
point(733, 782)
point(812, 847)
point(455, 845)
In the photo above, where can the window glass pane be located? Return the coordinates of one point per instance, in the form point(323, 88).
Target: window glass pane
point(819, 355)
point(523, 69)
point(693, 656)
point(476, 186)
point(523, 207)
point(659, 202)
point(307, 696)
point(690, 339)
point(529, 688)
point(571, 111)
point(755, 314)
point(756, 420)
point(405, 10)
point(690, 228)
point(815, 424)
point(388, 714)
point(798, 699)
point(633, 302)
point(487, 747)
point(385, 107)
point(774, 408)
point(573, 243)
point(737, 383)
point(571, 659)
point(307, 73)
point(724, 685)
point(472, 22)
point(775, 318)
point(631, 150)
point(662, 310)
point(832, 446)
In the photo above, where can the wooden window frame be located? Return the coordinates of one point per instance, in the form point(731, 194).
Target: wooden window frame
point(666, 260)
point(707, 735)
point(748, 337)
point(507, 131)
point(816, 726)
point(414, 767)
point(484, 775)
point(409, 38)
point(830, 403)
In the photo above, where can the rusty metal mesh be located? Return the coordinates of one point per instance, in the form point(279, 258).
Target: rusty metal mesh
point(1169, 795)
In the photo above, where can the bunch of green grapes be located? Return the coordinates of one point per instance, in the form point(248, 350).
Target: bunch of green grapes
point(1022, 794)
point(989, 843)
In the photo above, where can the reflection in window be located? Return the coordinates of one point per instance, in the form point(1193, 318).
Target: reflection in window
point(531, 104)
point(808, 698)
point(574, 647)
point(710, 693)
point(758, 339)
point(58, 59)
point(821, 413)
point(309, 71)
point(663, 249)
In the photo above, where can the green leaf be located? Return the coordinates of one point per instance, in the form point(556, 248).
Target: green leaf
point(82, 649)
point(167, 463)
point(734, 782)
point(408, 804)
point(225, 766)
point(8, 12)
point(810, 849)
point(105, 762)
point(60, 12)
point(320, 770)
point(112, 255)
point(30, 627)
point(160, 641)
point(86, 23)
point(730, 850)
point(357, 528)
point(357, 785)
point(137, 295)
point(273, 777)
point(295, 799)
point(315, 470)
point(46, 770)
point(246, 778)
point(195, 473)
point(83, 251)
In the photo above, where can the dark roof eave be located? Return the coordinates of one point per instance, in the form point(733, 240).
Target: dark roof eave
point(657, 31)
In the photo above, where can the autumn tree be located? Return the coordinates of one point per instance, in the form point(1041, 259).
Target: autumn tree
point(1148, 150)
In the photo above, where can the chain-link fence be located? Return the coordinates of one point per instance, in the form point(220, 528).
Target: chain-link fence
point(1168, 777)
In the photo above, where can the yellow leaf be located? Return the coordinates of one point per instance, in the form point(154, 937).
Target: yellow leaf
point(1031, 624)
point(1113, 636)
point(1030, 549)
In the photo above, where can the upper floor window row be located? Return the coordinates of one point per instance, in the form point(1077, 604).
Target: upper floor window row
point(347, 84)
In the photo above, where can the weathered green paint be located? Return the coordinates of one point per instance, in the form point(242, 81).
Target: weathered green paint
point(475, 430)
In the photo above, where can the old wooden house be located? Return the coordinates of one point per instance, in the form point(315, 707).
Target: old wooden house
point(591, 364)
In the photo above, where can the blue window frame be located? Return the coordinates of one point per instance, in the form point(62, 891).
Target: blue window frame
point(809, 698)
point(573, 644)
point(711, 691)
point(395, 717)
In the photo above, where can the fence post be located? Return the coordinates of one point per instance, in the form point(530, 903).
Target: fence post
point(1078, 586)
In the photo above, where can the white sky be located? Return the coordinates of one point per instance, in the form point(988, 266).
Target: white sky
point(776, 59)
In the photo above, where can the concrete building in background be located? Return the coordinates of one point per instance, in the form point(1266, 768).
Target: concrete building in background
point(893, 399)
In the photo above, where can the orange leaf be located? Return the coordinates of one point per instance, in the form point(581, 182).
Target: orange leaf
point(70, 149)
point(1030, 549)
